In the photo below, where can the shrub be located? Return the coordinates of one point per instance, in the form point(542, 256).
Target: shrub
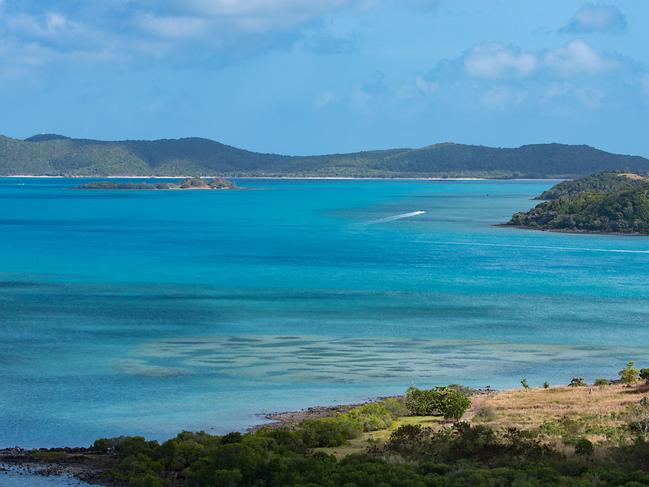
point(644, 374)
point(638, 415)
point(524, 383)
point(546, 385)
point(328, 432)
point(577, 382)
point(439, 401)
point(584, 447)
point(601, 382)
point(485, 413)
point(629, 374)
point(125, 446)
point(371, 417)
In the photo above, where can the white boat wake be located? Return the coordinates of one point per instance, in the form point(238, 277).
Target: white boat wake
point(549, 247)
point(394, 218)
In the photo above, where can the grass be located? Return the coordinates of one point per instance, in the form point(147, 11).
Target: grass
point(360, 444)
point(563, 414)
point(530, 409)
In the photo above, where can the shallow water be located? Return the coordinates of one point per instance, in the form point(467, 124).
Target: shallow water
point(149, 312)
point(25, 477)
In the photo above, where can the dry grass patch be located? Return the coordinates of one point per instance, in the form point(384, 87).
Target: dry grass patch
point(597, 409)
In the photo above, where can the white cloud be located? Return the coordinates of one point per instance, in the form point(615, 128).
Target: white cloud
point(497, 77)
point(577, 57)
point(596, 18)
point(499, 97)
point(173, 27)
point(496, 61)
point(424, 86)
point(122, 30)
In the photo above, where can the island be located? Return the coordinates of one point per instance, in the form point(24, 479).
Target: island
point(189, 183)
point(607, 202)
point(58, 155)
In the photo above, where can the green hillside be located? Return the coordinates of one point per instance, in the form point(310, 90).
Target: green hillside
point(614, 209)
point(604, 182)
point(49, 154)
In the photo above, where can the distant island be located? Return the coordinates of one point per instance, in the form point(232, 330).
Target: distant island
point(57, 155)
point(189, 183)
point(608, 202)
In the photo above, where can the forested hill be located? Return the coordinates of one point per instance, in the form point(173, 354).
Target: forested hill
point(48, 154)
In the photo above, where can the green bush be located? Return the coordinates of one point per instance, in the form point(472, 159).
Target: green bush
point(629, 374)
point(644, 374)
point(577, 382)
point(584, 447)
point(439, 401)
point(601, 382)
point(329, 432)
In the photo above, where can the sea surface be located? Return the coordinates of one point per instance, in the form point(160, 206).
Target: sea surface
point(152, 312)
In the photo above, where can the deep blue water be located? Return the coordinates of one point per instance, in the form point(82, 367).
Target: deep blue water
point(149, 312)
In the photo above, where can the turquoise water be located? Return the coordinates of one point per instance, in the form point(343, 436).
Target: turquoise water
point(149, 312)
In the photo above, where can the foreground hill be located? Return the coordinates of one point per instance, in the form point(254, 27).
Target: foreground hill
point(57, 155)
point(576, 436)
point(603, 203)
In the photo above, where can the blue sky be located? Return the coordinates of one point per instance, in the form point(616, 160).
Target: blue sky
point(320, 76)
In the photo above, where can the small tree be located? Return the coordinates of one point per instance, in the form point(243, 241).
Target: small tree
point(577, 382)
point(584, 447)
point(546, 385)
point(524, 383)
point(601, 382)
point(639, 416)
point(644, 374)
point(629, 374)
point(440, 401)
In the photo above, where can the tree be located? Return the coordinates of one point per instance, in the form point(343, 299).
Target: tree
point(439, 401)
point(644, 374)
point(639, 416)
point(577, 382)
point(584, 447)
point(546, 385)
point(629, 374)
point(524, 383)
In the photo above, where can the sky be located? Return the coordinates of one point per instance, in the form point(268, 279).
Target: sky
point(324, 76)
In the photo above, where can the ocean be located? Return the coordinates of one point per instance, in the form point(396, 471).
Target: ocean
point(151, 312)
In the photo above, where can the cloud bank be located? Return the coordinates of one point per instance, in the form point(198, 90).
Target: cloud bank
point(596, 18)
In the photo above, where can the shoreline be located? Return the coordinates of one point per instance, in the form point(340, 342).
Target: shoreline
point(90, 465)
point(296, 178)
point(571, 232)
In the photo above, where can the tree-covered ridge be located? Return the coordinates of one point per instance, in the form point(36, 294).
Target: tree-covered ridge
point(624, 211)
point(188, 183)
point(57, 155)
point(603, 182)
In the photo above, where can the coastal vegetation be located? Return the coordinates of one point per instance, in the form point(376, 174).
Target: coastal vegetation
point(188, 183)
point(56, 155)
point(603, 203)
point(546, 436)
point(603, 182)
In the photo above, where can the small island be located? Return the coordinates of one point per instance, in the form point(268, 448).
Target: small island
point(189, 183)
point(608, 202)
